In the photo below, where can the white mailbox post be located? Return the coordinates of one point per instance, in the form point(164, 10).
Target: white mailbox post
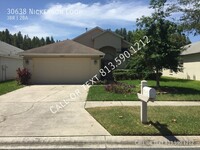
point(147, 94)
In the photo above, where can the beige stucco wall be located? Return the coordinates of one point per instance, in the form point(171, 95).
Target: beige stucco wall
point(191, 68)
point(108, 39)
point(62, 70)
point(12, 64)
point(104, 40)
point(86, 39)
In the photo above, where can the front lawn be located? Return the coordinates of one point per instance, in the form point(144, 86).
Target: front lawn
point(162, 120)
point(98, 93)
point(171, 90)
point(9, 86)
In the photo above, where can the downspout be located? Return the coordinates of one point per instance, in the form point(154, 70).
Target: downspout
point(2, 73)
point(5, 67)
point(1, 70)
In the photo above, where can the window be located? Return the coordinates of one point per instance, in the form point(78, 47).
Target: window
point(170, 72)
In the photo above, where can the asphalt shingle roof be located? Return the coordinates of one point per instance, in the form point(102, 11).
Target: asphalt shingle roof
point(67, 47)
point(192, 48)
point(9, 50)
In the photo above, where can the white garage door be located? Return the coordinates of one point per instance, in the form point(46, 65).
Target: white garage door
point(61, 70)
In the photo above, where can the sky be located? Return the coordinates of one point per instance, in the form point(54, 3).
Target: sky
point(66, 19)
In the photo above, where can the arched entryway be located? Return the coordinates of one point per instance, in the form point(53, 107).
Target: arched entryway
point(110, 54)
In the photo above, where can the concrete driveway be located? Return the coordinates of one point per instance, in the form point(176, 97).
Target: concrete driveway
point(47, 110)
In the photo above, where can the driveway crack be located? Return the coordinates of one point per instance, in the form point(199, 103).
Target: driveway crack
point(3, 119)
point(6, 116)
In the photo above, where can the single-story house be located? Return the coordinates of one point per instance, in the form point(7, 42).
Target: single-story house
point(191, 63)
point(74, 61)
point(66, 62)
point(10, 61)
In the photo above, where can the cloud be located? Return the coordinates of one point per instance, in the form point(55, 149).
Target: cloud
point(90, 15)
point(68, 20)
point(38, 30)
point(31, 30)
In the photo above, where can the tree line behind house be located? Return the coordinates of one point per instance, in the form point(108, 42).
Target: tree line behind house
point(24, 41)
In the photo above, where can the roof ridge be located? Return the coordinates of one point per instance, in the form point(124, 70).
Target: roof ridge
point(68, 47)
point(191, 48)
point(109, 32)
point(97, 27)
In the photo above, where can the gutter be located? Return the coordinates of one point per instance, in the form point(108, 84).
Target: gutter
point(190, 53)
point(60, 55)
point(11, 56)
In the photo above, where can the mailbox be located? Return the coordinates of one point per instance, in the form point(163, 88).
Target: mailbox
point(149, 92)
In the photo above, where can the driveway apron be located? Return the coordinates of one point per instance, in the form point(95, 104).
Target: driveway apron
point(47, 110)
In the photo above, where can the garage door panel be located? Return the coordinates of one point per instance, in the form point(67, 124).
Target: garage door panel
point(61, 70)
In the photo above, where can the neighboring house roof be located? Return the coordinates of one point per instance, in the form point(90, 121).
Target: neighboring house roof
point(67, 47)
point(9, 50)
point(192, 48)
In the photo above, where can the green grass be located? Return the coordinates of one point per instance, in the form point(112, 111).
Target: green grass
point(9, 86)
point(162, 120)
point(98, 93)
point(177, 90)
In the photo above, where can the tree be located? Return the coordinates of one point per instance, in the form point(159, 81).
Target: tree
point(52, 40)
point(138, 63)
point(36, 42)
point(190, 19)
point(14, 40)
point(26, 44)
point(117, 31)
point(123, 32)
point(48, 41)
point(42, 41)
point(163, 51)
point(5, 36)
point(20, 40)
point(129, 36)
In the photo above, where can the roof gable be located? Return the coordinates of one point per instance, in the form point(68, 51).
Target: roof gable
point(109, 32)
point(88, 37)
point(85, 34)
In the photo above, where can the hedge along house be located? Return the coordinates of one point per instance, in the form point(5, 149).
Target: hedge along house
point(66, 62)
point(10, 61)
point(106, 41)
point(191, 63)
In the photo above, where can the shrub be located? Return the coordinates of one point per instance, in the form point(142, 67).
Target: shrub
point(127, 74)
point(152, 76)
point(124, 75)
point(23, 76)
point(119, 88)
